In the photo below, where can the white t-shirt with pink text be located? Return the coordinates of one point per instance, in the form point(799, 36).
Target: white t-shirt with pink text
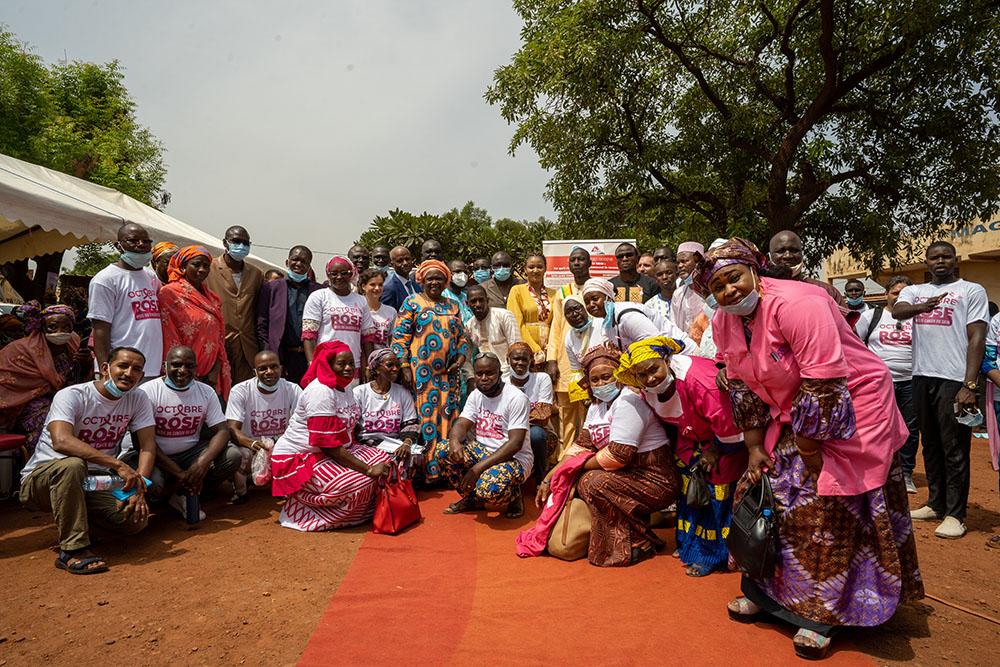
point(388, 413)
point(891, 340)
point(334, 317)
point(263, 415)
point(940, 338)
point(496, 417)
point(98, 421)
point(180, 415)
point(127, 300)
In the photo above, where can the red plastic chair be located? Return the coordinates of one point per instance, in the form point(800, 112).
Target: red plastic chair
point(13, 441)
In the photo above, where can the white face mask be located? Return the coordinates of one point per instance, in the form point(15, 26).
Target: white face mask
point(514, 374)
point(59, 338)
point(746, 305)
point(660, 388)
point(460, 279)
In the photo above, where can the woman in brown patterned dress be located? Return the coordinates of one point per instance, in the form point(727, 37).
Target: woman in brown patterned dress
point(631, 475)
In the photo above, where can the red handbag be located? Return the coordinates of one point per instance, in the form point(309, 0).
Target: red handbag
point(396, 505)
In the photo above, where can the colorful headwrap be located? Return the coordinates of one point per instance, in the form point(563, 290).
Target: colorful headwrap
point(599, 285)
point(733, 251)
point(659, 347)
point(598, 353)
point(342, 259)
point(175, 270)
point(432, 265)
point(33, 315)
point(376, 358)
point(162, 248)
point(320, 366)
point(519, 345)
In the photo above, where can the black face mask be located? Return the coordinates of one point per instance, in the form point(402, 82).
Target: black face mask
point(494, 390)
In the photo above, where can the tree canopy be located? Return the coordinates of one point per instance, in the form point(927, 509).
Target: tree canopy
point(78, 118)
point(864, 124)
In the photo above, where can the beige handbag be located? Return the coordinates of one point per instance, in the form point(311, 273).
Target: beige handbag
point(570, 536)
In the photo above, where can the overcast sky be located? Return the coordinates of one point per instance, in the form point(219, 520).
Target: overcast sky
point(304, 120)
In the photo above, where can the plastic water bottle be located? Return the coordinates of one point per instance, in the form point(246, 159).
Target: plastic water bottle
point(192, 509)
point(102, 483)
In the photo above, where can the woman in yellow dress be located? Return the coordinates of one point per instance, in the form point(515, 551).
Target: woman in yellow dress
point(531, 304)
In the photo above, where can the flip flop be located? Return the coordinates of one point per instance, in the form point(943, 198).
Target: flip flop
point(80, 566)
point(993, 542)
point(811, 645)
point(695, 570)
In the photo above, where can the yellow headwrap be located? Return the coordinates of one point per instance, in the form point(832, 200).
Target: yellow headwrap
point(660, 347)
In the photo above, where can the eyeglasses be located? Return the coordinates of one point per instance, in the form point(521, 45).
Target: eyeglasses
point(485, 355)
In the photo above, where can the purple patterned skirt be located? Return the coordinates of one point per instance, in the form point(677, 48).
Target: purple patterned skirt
point(845, 560)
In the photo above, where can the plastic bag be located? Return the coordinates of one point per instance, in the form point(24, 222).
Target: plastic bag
point(260, 466)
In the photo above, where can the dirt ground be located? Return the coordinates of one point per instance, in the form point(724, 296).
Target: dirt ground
point(240, 590)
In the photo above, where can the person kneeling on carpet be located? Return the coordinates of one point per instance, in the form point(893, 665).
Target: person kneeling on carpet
point(327, 476)
point(182, 406)
point(488, 466)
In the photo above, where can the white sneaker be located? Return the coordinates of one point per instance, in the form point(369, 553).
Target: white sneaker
point(925, 513)
point(910, 486)
point(179, 503)
point(950, 529)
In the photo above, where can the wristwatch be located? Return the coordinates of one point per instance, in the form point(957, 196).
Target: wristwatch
point(971, 385)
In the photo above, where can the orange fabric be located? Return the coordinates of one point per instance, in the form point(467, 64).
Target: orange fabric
point(27, 370)
point(162, 247)
point(699, 327)
point(175, 270)
point(432, 265)
point(193, 317)
point(477, 599)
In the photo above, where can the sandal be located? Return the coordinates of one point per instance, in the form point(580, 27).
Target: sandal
point(515, 510)
point(743, 610)
point(82, 564)
point(696, 570)
point(640, 554)
point(464, 505)
point(811, 645)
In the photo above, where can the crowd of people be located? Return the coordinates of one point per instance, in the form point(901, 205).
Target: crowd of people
point(692, 369)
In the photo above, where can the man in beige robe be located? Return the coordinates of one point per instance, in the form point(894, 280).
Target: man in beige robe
point(237, 284)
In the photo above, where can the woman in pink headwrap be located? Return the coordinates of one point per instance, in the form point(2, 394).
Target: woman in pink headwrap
point(339, 313)
point(819, 418)
point(686, 304)
point(429, 341)
point(34, 368)
point(327, 476)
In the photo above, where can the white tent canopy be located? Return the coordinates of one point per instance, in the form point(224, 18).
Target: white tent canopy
point(44, 211)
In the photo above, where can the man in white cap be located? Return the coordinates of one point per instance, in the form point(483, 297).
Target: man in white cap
point(686, 304)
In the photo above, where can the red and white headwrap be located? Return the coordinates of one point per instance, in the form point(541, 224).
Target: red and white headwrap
point(342, 259)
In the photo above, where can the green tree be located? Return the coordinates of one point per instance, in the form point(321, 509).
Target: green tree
point(863, 124)
point(92, 257)
point(77, 118)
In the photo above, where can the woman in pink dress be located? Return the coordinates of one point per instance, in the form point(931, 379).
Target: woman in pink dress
point(681, 391)
point(819, 418)
point(328, 478)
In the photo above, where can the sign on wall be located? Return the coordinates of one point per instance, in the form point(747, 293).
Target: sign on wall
point(602, 258)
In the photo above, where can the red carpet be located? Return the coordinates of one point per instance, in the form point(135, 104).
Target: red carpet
point(452, 591)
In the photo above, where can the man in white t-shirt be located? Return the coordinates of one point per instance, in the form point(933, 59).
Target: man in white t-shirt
point(82, 437)
point(949, 334)
point(258, 412)
point(891, 340)
point(488, 456)
point(491, 329)
point(123, 307)
point(181, 407)
point(854, 293)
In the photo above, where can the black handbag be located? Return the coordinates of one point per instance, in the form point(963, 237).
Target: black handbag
point(753, 533)
point(698, 494)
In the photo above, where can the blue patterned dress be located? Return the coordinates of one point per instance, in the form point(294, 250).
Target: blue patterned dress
point(427, 338)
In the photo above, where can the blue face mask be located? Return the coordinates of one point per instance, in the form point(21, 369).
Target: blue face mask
point(176, 387)
point(481, 275)
point(855, 301)
point(238, 251)
point(113, 388)
point(267, 389)
point(606, 392)
point(136, 260)
point(583, 327)
point(688, 280)
point(501, 273)
point(711, 302)
point(297, 277)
